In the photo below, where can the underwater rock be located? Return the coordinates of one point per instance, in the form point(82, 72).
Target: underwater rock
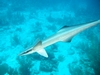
point(71, 51)
point(3, 69)
point(16, 17)
point(61, 58)
point(6, 74)
point(35, 72)
point(77, 68)
point(35, 68)
point(15, 40)
point(48, 65)
point(24, 68)
point(53, 73)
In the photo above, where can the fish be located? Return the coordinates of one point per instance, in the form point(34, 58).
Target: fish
point(65, 34)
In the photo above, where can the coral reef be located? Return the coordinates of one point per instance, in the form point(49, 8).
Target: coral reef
point(61, 58)
point(15, 40)
point(48, 65)
point(16, 18)
point(94, 53)
point(4, 68)
point(79, 68)
point(24, 69)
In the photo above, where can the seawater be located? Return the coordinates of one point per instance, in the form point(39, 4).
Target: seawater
point(24, 21)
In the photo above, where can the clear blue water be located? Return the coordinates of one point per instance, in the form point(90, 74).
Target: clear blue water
point(22, 22)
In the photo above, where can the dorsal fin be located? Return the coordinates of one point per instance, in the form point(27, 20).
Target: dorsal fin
point(38, 43)
point(64, 27)
point(61, 29)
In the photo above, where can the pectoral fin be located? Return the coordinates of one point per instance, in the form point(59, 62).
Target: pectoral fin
point(43, 53)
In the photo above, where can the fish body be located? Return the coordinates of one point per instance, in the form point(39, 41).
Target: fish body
point(64, 34)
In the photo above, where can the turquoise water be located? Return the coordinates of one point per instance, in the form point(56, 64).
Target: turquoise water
point(22, 22)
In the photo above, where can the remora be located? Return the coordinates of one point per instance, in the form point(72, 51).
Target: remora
point(64, 34)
